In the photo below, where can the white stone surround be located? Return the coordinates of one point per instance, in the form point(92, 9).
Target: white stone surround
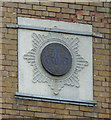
point(26, 70)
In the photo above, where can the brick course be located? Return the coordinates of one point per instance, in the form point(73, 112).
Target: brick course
point(95, 14)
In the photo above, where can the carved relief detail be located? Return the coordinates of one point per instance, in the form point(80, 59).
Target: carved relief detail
point(40, 75)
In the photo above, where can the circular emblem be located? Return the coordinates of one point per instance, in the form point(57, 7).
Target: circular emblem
point(56, 59)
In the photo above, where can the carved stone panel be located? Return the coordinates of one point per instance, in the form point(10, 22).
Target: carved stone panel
point(55, 64)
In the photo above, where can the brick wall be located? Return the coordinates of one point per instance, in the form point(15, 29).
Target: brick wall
point(95, 14)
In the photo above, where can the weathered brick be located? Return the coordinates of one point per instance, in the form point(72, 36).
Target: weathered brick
point(13, 74)
point(89, 114)
point(11, 47)
point(52, 9)
point(8, 106)
point(67, 10)
point(24, 11)
point(103, 115)
point(99, 88)
point(32, 12)
point(26, 113)
point(13, 112)
point(72, 107)
point(11, 36)
point(85, 12)
point(65, 15)
point(63, 5)
point(103, 30)
point(75, 6)
point(85, 108)
point(38, 13)
point(79, 17)
point(82, 3)
point(25, 6)
point(45, 13)
point(10, 68)
point(104, 73)
point(103, 9)
point(48, 110)
point(87, 18)
point(105, 105)
point(96, 3)
point(59, 106)
point(31, 108)
point(65, 112)
point(79, 113)
point(52, 14)
point(35, 7)
point(97, 24)
point(10, 57)
point(99, 46)
point(42, 115)
point(90, 8)
point(43, 104)
point(47, 3)
point(10, 4)
point(6, 84)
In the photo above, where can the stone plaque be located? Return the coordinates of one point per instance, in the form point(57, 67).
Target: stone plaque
point(55, 64)
point(56, 59)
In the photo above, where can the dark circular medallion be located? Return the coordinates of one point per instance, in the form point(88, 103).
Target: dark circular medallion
point(56, 59)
